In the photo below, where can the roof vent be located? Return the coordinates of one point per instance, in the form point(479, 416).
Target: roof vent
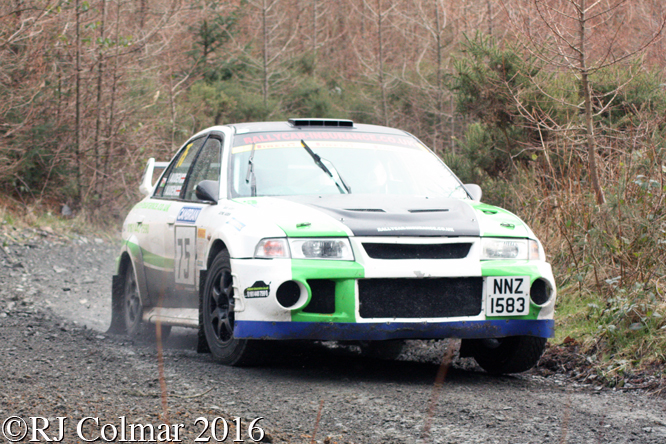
point(322, 122)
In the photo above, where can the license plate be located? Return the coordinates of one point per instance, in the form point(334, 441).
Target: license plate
point(507, 296)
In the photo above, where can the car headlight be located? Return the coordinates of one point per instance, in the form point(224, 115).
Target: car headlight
point(519, 249)
point(337, 249)
point(272, 248)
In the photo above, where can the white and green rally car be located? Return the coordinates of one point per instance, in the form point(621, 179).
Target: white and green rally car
point(325, 229)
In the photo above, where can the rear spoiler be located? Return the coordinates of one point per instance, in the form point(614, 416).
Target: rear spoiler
point(147, 186)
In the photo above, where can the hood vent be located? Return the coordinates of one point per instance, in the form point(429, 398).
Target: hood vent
point(430, 210)
point(366, 210)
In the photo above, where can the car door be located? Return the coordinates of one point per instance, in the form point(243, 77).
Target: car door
point(182, 241)
point(167, 203)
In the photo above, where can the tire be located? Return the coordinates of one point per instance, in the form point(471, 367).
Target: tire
point(514, 354)
point(388, 350)
point(132, 311)
point(218, 317)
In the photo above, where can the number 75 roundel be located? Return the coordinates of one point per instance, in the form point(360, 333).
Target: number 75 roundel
point(185, 255)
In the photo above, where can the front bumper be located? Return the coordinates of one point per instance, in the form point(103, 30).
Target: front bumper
point(377, 299)
point(331, 331)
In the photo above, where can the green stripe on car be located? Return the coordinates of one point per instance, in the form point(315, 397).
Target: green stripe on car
point(344, 273)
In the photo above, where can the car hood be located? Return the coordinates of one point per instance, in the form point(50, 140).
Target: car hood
point(367, 215)
point(384, 215)
point(395, 215)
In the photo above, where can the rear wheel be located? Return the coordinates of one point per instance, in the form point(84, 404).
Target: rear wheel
point(513, 354)
point(218, 310)
point(132, 311)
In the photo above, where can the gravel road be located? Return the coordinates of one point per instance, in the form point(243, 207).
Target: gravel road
point(57, 361)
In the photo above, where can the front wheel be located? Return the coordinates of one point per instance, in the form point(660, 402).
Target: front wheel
point(218, 317)
point(513, 354)
point(388, 350)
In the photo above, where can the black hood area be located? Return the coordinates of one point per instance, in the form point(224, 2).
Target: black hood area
point(396, 215)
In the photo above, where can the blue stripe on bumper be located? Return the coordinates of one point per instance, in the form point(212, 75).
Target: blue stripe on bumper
point(331, 331)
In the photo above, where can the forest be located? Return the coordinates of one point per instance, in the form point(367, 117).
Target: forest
point(555, 107)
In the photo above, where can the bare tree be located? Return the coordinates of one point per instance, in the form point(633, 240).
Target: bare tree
point(374, 61)
point(275, 36)
point(77, 121)
point(432, 30)
point(583, 37)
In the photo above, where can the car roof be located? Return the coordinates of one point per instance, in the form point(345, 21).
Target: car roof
point(260, 127)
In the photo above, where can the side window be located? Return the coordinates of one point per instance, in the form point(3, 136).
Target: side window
point(206, 166)
point(172, 182)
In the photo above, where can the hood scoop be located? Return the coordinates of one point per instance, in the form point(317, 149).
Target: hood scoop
point(429, 210)
point(366, 210)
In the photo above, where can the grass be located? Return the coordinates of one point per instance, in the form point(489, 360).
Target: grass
point(572, 315)
point(627, 328)
point(19, 216)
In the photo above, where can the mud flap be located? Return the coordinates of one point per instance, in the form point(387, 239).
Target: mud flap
point(117, 321)
point(202, 344)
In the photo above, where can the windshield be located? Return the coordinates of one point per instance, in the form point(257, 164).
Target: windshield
point(370, 163)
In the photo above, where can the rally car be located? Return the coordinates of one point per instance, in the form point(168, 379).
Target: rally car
point(329, 230)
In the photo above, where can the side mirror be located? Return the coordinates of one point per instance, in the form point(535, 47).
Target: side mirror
point(208, 190)
point(474, 191)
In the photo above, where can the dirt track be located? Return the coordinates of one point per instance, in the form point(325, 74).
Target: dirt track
point(54, 366)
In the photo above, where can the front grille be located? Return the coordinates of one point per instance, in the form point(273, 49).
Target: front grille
point(417, 251)
point(323, 296)
point(420, 298)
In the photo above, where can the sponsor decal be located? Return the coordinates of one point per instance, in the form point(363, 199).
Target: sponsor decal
point(188, 215)
point(182, 158)
point(201, 246)
point(177, 178)
point(259, 289)
point(238, 225)
point(172, 190)
point(157, 206)
point(138, 228)
point(447, 229)
point(326, 135)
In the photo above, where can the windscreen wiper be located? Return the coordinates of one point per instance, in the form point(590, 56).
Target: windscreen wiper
point(250, 177)
point(344, 188)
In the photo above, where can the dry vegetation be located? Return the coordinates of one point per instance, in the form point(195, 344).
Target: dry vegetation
point(555, 106)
